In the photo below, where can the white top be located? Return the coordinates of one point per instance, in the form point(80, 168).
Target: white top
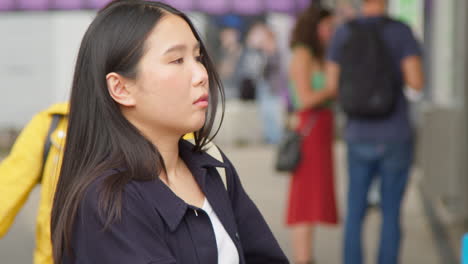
point(227, 251)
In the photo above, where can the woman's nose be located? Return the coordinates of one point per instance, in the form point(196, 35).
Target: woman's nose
point(200, 75)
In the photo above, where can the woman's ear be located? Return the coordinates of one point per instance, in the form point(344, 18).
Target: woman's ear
point(120, 89)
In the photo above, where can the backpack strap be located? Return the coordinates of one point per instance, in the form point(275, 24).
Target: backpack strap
point(214, 151)
point(53, 125)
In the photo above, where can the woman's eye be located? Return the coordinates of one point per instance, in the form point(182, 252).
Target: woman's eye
point(199, 58)
point(178, 61)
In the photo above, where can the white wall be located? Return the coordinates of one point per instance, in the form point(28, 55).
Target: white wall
point(37, 54)
point(443, 57)
point(68, 29)
point(25, 50)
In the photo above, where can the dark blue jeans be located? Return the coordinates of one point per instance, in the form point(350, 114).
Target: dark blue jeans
point(391, 162)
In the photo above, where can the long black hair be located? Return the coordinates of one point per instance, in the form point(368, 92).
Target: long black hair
point(99, 137)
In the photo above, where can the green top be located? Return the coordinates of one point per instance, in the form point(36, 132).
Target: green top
point(318, 83)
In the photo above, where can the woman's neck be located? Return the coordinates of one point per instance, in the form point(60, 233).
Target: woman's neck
point(372, 10)
point(169, 150)
point(167, 144)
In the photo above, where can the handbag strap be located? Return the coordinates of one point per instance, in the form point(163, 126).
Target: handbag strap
point(310, 124)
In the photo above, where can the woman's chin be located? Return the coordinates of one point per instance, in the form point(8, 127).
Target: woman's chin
point(197, 125)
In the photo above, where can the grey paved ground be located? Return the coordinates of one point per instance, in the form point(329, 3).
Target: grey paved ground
point(268, 190)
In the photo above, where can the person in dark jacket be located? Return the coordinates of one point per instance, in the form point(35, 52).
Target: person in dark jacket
point(381, 146)
point(131, 189)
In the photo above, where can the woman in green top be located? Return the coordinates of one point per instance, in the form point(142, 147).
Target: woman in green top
point(311, 197)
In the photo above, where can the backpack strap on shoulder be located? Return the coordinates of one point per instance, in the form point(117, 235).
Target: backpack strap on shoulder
point(48, 142)
point(214, 151)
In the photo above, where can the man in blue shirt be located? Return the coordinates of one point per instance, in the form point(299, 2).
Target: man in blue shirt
point(382, 146)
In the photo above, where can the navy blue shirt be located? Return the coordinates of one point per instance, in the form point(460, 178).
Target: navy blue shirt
point(158, 227)
point(400, 43)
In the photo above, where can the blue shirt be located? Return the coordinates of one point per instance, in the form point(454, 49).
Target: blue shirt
point(159, 227)
point(400, 43)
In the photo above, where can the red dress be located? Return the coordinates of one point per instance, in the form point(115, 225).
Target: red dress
point(312, 191)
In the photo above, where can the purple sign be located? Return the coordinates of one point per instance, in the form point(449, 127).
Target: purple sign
point(69, 4)
point(6, 5)
point(302, 4)
point(280, 6)
point(32, 4)
point(245, 7)
point(214, 6)
point(97, 4)
point(183, 5)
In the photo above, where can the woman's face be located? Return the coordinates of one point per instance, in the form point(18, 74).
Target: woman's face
point(325, 30)
point(171, 87)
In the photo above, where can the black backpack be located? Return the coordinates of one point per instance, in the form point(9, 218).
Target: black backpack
point(367, 84)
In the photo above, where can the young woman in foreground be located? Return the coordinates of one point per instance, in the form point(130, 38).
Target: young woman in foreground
point(131, 190)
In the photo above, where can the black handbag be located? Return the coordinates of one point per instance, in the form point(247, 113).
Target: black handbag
point(289, 148)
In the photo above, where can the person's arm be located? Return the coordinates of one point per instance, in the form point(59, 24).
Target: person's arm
point(138, 237)
point(332, 65)
point(332, 75)
point(258, 243)
point(300, 74)
point(412, 72)
point(20, 170)
point(410, 62)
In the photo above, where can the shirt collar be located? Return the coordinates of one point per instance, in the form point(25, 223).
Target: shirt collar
point(199, 159)
point(172, 208)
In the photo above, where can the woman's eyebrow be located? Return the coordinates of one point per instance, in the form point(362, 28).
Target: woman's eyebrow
point(181, 47)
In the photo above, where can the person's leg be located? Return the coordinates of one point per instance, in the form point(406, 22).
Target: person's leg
point(362, 160)
point(263, 106)
point(277, 119)
point(373, 199)
point(394, 170)
point(270, 112)
point(301, 237)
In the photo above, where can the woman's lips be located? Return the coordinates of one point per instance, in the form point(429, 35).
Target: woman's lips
point(202, 101)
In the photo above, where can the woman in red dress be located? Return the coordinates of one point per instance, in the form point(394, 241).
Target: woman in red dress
point(312, 192)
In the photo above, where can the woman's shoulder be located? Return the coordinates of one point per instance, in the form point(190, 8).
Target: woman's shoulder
point(102, 196)
point(104, 184)
point(303, 49)
point(303, 54)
